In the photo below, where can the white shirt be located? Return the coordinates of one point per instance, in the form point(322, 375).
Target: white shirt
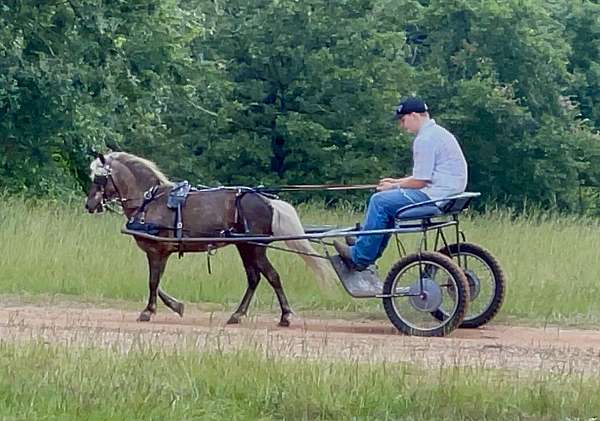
point(439, 160)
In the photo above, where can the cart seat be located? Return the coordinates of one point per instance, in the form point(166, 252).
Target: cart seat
point(432, 208)
point(419, 212)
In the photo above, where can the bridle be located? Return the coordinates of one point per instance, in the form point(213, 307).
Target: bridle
point(101, 179)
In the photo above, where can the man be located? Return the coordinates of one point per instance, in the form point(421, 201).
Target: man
point(439, 170)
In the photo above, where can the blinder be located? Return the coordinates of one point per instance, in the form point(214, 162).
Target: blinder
point(100, 180)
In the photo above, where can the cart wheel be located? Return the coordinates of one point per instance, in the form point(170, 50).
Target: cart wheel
point(421, 284)
point(487, 283)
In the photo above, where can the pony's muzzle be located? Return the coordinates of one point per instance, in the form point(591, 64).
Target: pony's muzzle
point(94, 208)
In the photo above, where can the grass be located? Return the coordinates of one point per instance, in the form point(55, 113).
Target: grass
point(551, 263)
point(39, 381)
point(48, 251)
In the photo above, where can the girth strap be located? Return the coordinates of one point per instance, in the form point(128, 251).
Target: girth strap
point(176, 201)
point(239, 215)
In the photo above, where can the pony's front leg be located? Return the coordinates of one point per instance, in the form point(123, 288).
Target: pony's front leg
point(156, 267)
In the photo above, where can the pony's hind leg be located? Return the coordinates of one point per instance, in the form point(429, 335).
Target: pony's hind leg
point(171, 302)
point(248, 256)
point(272, 276)
point(156, 267)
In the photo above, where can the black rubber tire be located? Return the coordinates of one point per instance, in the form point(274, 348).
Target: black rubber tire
point(483, 317)
point(462, 293)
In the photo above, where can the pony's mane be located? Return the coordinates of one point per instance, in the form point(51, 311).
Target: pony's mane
point(133, 162)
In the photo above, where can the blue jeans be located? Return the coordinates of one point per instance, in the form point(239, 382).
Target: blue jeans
point(382, 208)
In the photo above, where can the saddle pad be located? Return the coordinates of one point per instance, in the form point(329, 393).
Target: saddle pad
point(178, 195)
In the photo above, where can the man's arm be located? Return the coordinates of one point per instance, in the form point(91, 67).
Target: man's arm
point(404, 183)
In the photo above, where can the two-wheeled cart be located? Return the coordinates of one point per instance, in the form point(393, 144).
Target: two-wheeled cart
point(428, 292)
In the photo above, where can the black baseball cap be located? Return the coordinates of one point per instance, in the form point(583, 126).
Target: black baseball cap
point(410, 105)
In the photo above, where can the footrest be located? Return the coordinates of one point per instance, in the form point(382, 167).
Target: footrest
point(359, 284)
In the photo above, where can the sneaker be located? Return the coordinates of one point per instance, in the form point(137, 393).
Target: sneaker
point(350, 240)
point(346, 255)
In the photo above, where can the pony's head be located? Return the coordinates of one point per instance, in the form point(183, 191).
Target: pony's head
point(122, 177)
point(103, 188)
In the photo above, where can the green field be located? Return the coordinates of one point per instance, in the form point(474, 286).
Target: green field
point(551, 262)
point(50, 382)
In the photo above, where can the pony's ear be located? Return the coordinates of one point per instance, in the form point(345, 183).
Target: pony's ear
point(93, 152)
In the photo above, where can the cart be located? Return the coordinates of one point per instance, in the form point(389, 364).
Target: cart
point(427, 292)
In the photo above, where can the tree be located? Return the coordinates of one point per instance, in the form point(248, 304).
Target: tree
point(313, 87)
point(498, 75)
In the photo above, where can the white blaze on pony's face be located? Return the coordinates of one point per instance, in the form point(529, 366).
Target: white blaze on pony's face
point(102, 187)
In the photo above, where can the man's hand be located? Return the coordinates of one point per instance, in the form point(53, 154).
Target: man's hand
point(386, 186)
point(405, 183)
point(389, 180)
point(388, 183)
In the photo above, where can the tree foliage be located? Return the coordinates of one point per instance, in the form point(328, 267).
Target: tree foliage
point(284, 91)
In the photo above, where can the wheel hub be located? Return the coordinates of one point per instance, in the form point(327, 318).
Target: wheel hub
point(428, 298)
point(474, 284)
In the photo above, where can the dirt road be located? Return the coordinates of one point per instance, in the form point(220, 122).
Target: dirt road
point(494, 346)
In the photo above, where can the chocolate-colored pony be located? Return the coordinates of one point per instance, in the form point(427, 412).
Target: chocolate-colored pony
point(126, 177)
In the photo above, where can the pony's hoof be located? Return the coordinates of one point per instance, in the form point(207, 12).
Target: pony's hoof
point(178, 308)
point(144, 316)
point(234, 320)
point(284, 322)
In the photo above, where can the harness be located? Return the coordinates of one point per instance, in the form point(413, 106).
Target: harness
point(176, 200)
point(138, 221)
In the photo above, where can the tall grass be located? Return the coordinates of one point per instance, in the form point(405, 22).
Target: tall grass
point(551, 262)
point(39, 381)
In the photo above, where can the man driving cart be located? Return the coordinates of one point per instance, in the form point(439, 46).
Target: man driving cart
point(439, 171)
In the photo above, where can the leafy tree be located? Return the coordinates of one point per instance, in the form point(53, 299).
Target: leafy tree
point(281, 91)
point(88, 73)
point(313, 86)
point(498, 73)
point(581, 20)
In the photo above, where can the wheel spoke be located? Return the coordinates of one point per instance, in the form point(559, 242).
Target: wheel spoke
point(433, 283)
point(486, 283)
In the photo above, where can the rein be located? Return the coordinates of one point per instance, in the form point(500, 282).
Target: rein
point(319, 187)
point(289, 187)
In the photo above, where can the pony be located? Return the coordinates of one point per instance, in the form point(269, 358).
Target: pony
point(142, 189)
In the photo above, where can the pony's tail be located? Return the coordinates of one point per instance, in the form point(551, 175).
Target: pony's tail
point(286, 222)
